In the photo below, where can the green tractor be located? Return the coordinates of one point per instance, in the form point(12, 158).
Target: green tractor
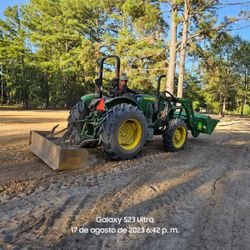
point(123, 120)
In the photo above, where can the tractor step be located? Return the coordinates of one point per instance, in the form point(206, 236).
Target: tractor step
point(59, 155)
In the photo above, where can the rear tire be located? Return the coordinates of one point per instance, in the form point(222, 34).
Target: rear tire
point(78, 112)
point(175, 136)
point(123, 132)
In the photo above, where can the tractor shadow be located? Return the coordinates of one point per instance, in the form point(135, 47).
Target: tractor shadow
point(153, 195)
point(162, 184)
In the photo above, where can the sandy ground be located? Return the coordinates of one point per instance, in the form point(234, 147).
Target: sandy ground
point(203, 191)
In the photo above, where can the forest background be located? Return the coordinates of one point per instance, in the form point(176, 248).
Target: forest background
point(50, 49)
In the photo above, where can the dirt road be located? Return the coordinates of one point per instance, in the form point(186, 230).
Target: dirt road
point(203, 192)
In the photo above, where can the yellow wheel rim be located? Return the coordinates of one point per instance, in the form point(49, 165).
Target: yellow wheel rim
point(129, 134)
point(179, 137)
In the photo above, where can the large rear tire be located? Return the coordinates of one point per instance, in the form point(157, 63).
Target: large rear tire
point(78, 112)
point(123, 132)
point(175, 135)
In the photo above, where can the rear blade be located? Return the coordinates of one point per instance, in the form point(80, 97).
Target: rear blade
point(56, 155)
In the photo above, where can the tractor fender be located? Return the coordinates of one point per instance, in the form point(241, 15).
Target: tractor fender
point(89, 97)
point(121, 99)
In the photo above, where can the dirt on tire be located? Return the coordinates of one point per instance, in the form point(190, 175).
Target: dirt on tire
point(202, 191)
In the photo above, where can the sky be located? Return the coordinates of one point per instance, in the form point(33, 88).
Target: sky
point(230, 10)
point(5, 3)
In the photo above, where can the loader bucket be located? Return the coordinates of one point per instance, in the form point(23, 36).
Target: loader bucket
point(202, 123)
point(205, 124)
point(56, 155)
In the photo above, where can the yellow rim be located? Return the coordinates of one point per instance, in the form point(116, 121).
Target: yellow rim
point(129, 134)
point(179, 137)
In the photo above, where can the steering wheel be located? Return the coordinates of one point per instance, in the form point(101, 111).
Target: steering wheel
point(173, 98)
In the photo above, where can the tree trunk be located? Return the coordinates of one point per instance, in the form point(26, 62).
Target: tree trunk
point(46, 90)
point(243, 101)
point(1, 80)
point(224, 106)
point(183, 49)
point(2, 87)
point(45, 79)
point(172, 51)
point(25, 88)
point(220, 105)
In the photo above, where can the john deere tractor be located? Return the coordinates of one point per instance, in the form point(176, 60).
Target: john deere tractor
point(121, 122)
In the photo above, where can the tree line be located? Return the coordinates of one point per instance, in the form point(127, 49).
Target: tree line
point(49, 51)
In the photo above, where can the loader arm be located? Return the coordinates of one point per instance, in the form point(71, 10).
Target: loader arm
point(197, 123)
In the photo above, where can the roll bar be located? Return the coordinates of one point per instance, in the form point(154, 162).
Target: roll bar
point(159, 84)
point(100, 76)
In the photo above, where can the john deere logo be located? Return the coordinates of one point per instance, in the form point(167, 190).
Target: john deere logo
point(149, 98)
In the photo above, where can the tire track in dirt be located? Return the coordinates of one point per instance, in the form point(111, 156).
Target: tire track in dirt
point(218, 224)
point(107, 205)
point(55, 213)
point(175, 189)
point(125, 190)
point(204, 184)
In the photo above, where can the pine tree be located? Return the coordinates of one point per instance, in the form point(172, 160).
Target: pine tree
point(14, 56)
point(197, 23)
point(225, 81)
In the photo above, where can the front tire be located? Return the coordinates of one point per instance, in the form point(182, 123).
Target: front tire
point(175, 136)
point(123, 132)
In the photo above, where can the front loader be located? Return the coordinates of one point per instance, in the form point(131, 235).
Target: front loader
point(120, 123)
